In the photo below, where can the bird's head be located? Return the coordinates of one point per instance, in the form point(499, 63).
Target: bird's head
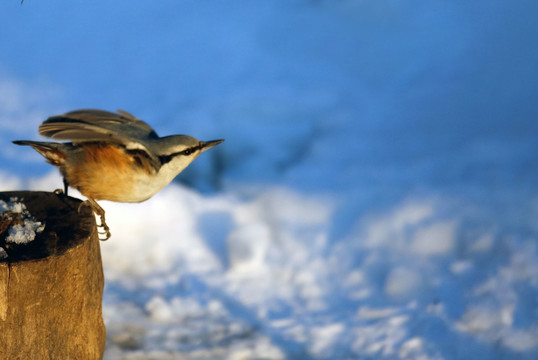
point(176, 152)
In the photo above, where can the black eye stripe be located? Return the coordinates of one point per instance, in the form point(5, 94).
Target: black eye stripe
point(166, 158)
point(192, 149)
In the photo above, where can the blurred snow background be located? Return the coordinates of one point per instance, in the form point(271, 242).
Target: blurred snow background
point(376, 194)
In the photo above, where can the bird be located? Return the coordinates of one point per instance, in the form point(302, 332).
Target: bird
point(113, 156)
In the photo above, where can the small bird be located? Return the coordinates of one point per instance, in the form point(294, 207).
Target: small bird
point(114, 156)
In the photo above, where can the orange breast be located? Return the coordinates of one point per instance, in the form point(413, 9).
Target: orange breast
point(104, 172)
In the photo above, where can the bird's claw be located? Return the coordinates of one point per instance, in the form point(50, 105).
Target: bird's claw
point(104, 235)
point(99, 212)
point(104, 227)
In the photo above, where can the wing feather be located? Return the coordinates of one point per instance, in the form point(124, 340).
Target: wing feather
point(91, 125)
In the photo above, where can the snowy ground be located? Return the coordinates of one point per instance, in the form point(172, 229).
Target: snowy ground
point(376, 194)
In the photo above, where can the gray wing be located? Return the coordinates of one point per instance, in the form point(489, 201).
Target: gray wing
point(90, 125)
point(94, 125)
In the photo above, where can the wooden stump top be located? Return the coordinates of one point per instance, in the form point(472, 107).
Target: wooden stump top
point(51, 278)
point(64, 224)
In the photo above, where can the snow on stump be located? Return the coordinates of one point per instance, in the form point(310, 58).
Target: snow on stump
point(51, 278)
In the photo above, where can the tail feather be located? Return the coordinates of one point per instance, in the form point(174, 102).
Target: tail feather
point(53, 152)
point(24, 142)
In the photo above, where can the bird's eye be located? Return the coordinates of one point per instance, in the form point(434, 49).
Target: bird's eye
point(187, 152)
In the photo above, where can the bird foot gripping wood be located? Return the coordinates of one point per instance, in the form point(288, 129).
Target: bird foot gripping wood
point(99, 211)
point(64, 190)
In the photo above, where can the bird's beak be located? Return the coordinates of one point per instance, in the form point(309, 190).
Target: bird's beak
point(209, 144)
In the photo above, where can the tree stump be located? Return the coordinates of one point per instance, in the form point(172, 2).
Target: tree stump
point(51, 287)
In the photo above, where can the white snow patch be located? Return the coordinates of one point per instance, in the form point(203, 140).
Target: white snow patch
point(434, 239)
point(460, 267)
point(178, 309)
point(411, 349)
point(390, 228)
point(354, 278)
point(382, 338)
point(324, 336)
point(25, 232)
point(402, 281)
point(368, 313)
point(522, 340)
point(483, 243)
point(247, 247)
point(480, 319)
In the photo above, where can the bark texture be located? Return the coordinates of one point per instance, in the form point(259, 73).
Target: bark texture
point(51, 288)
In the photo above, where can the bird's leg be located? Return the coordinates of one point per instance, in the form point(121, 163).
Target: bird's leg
point(99, 211)
point(66, 184)
point(64, 191)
